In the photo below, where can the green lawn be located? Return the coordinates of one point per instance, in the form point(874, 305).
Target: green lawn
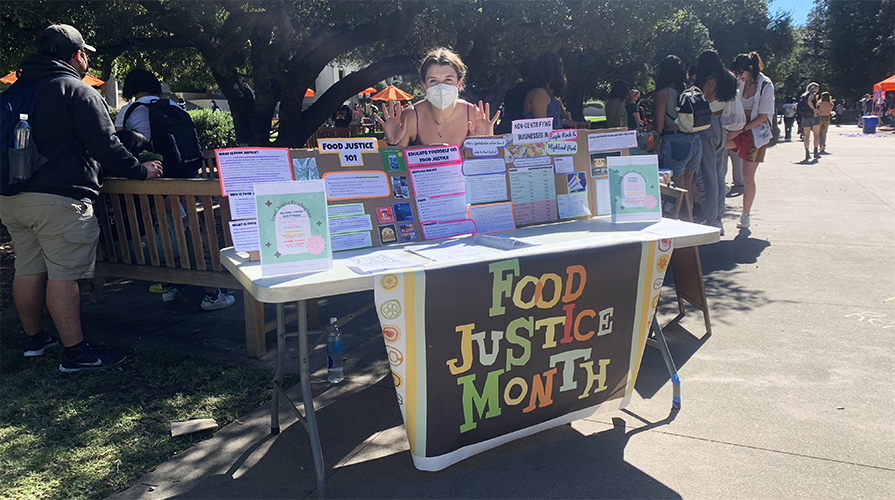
point(90, 434)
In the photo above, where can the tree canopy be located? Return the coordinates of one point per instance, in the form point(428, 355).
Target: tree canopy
point(261, 53)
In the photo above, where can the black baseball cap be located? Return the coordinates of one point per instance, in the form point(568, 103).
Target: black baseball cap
point(61, 39)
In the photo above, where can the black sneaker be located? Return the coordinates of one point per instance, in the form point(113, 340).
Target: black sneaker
point(38, 344)
point(91, 357)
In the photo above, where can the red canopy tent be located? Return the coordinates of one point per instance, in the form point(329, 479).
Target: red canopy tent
point(88, 79)
point(368, 90)
point(888, 84)
point(392, 93)
point(309, 93)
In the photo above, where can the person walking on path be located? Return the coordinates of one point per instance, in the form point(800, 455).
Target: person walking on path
point(810, 119)
point(751, 142)
point(789, 116)
point(720, 88)
point(825, 109)
point(52, 222)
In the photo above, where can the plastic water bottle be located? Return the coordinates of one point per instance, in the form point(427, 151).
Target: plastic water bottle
point(335, 371)
point(20, 170)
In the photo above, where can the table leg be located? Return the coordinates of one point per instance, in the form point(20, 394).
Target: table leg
point(659, 342)
point(280, 368)
point(308, 397)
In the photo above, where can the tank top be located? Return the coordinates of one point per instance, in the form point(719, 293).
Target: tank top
point(553, 111)
point(416, 140)
point(671, 107)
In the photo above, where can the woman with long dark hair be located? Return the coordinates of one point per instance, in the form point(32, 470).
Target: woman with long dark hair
point(720, 88)
point(678, 151)
point(757, 93)
point(548, 81)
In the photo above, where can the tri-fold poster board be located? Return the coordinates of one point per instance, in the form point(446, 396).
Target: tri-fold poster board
point(381, 195)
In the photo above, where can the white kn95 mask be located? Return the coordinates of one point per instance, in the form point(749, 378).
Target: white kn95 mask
point(442, 95)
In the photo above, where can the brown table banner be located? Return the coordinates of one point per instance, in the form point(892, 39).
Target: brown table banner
point(497, 349)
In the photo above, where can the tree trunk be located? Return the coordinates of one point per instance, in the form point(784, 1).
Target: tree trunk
point(573, 99)
point(297, 125)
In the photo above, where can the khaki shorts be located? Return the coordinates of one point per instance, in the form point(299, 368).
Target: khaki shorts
point(51, 234)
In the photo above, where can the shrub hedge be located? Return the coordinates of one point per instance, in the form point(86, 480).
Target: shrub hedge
point(215, 129)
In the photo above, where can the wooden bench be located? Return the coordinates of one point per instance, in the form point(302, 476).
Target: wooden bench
point(198, 243)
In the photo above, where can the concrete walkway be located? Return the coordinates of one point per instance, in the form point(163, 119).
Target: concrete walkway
point(792, 396)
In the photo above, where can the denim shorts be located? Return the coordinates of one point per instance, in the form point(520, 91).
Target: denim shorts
point(678, 152)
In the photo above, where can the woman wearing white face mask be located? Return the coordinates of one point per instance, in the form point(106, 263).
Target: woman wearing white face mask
point(442, 118)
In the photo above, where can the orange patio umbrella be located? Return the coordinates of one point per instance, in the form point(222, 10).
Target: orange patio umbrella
point(888, 84)
point(368, 90)
point(392, 93)
point(88, 79)
point(309, 93)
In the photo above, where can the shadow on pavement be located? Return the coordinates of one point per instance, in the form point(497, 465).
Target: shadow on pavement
point(361, 466)
point(721, 264)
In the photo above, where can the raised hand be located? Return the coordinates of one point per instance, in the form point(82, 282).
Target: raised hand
point(392, 125)
point(480, 124)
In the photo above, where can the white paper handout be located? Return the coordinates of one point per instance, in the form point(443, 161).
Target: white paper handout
point(611, 140)
point(532, 130)
point(461, 249)
point(436, 230)
point(493, 217)
point(245, 235)
point(240, 168)
point(443, 208)
point(564, 164)
point(356, 184)
point(441, 180)
point(378, 261)
point(486, 188)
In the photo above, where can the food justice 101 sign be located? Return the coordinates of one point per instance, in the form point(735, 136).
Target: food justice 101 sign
point(549, 340)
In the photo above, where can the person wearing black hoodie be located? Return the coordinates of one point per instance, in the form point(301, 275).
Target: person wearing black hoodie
point(51, 221)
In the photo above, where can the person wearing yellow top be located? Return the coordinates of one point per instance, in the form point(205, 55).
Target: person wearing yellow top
point(825, 107)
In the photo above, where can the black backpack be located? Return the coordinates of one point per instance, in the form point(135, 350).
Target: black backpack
point(805, 110)
point(19, 99)
point(174, 137)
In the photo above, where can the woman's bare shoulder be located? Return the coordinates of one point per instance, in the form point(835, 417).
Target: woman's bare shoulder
point(411, 110)
point(538, 92)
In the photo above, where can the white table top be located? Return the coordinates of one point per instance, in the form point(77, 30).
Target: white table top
point(552, 237)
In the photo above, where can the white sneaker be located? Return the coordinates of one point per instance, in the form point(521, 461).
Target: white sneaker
point(744, 221)
point(222, 301)
point(169, 294)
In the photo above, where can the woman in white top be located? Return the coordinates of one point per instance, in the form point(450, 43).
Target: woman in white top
point(720, 88)
point(757, 93)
